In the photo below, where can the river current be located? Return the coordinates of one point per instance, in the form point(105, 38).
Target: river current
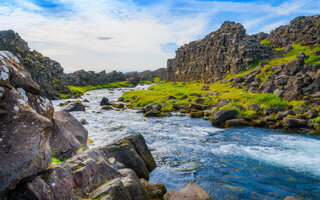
point(238, 163)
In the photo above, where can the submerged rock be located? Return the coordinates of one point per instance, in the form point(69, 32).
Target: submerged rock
point(74, 106)
point(105, 102)
point(192, 191)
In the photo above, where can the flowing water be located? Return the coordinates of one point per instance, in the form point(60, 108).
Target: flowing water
point(238, 163)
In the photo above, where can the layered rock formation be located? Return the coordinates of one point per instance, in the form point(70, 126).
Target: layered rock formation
point(227, 50)
point(134, 77)
point(47, 73)
point(81, 78)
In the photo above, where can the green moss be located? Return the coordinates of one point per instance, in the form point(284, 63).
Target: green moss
point(145, 82)
point(315, 120)
point(265, 42)
point(56, 160)
point(279, 49)
point(65, 96)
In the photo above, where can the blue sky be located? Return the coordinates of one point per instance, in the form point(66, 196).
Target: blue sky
point(129, 35)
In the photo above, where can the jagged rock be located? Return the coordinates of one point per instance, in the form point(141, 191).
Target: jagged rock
point(294, 122)
point(272, 110)
point(25, 124)
point(196, 114)
point(191, 191)
point(44, 71)
point(154, 191)
point(284, 114)
point(195, 95)
point(222, 116)
point(75, 106)
point(141, 147)
point(105, 102)
point(68, 135)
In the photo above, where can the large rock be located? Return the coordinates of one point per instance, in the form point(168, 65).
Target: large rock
point(294, 123)
point(154, 191)
point(222, 116)
point(152, 110)
point(125, 152)
point(191, 191)
point(68, 135)
point(74, 106)
point(25, 123)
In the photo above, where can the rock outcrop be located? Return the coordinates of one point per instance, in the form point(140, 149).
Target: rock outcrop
point(81, 78)
point(134, 77)
point(47, 73)
point(191, 191)
point(227, 50)
point(97, 173)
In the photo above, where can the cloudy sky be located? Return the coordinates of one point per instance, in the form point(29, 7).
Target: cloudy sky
point(127, 35)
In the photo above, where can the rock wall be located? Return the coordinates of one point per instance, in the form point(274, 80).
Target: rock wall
point(134, 77)
point(227, 50)
point(81, 78)
point(47, 73)
point(302, 29)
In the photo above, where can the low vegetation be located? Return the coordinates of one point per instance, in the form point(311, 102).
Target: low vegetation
point(80, 90)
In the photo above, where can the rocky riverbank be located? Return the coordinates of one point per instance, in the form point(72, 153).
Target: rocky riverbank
point(34, 140)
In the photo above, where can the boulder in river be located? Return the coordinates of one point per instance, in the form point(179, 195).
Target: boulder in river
point(293, 123)
point(196, 114)
point(222, 116)
point(152, 110)
point(104, 102)
point(74, 106)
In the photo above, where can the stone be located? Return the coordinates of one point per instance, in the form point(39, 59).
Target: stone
point(68, 136)
point(106, 108)
point(113, 189)
point(196, 114)
point(223, 102)
point(311, 114)
point(184, 97)
point(137, 140)
point(293, 123)
point(154, 191)
point(105, 102)
point(199, 101)
point(220, 117)
point(194, 106)
point(255, 107)
point(83, 121)
point(195, 95)
point(118, 105)
point(171, 97)
point(236, 123)
point(75, 106)
point(124, 152)
point(191, 191)
point(214, 93)
point(292, 198)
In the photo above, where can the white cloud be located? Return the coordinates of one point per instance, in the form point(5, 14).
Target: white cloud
point(135, 34)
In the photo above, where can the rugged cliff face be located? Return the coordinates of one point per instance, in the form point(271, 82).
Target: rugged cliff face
point(227, 50)
point(44, 71)
point(230, 50)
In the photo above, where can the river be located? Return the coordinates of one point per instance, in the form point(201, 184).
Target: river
point(238, 163)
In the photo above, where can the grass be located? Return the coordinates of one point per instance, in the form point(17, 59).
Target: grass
point(158, 94)
point(80, 90)
point(265, 42)
point(65, 96)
